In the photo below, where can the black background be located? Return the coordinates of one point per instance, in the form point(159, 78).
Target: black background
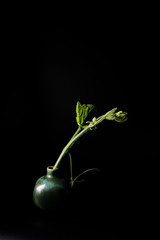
point(46, 68)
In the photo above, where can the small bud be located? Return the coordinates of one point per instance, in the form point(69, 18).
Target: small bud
point(94, 120)
point(121, 116)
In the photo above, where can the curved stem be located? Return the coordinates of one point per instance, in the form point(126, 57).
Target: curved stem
point(69, 145)
point(90, 169)
point(76, 136)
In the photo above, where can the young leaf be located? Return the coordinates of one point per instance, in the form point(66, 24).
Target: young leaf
point(111, 114)
point(117, 116)
point(121, 116)
point(83, 112)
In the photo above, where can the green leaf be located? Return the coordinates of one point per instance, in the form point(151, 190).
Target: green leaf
point(83, 112)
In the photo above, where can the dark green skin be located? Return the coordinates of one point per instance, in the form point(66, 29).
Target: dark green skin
point(50, 191)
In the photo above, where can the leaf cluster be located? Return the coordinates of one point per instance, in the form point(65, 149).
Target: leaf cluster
point(83, 111)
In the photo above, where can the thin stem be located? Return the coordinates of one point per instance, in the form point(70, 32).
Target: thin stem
point(78, 130)
point(68, 146)
point(79, 133)
point(72, 182)
point(91, 169)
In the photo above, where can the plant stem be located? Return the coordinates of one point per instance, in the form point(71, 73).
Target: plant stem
point(79, 133)
point(71, 170)
point(70, 143)
point(78, 130)
point(90, 169)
